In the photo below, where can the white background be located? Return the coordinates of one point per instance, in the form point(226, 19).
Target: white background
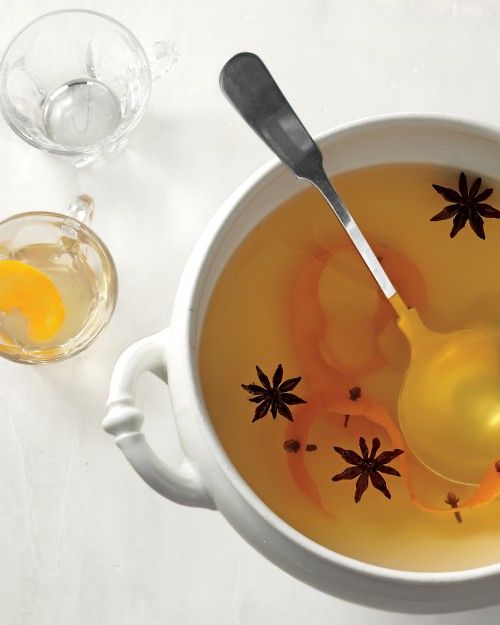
point(82, 540)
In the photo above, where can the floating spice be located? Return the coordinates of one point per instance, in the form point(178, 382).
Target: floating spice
point(274, 397)
point(311, 447)
point(467, 205)
point(291, 445)
point(452, 500)
point(367, 466)
point(354, 395)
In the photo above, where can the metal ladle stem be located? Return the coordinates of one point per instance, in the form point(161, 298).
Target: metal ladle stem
point(252, 90)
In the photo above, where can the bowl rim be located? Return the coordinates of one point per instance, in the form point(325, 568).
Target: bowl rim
point(185, 322)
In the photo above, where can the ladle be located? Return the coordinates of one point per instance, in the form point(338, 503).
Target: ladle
point(449, 403)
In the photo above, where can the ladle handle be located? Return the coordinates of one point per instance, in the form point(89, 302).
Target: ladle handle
point(323, 184)
point(252, 90)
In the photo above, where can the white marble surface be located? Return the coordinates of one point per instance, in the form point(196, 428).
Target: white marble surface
point(83, 540)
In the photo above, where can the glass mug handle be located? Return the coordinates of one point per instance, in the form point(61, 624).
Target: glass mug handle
point(162, 56)
point(81, 208)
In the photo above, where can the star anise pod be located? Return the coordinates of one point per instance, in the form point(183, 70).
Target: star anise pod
point(467, 205)
point(275, 396)
point(367, 466)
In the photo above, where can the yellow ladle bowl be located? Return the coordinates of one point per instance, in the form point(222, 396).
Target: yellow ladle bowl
point(449, 404)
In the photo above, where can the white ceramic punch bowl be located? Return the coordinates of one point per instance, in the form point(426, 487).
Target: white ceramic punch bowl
point(207, 478)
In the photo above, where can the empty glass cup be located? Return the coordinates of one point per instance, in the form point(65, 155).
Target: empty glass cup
point(75, 83)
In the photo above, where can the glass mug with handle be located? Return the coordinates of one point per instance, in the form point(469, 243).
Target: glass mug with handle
point(58, 284)
point(75, 83)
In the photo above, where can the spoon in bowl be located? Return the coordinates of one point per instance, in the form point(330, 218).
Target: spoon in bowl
point(449, 402)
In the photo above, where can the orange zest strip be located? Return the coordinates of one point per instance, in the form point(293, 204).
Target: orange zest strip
point(308, 317)
point(299, 430)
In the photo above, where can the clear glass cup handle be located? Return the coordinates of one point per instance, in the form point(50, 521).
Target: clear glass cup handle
point(81, 208)
point(162, 56)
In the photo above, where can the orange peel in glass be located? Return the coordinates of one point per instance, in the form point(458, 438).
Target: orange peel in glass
point(34, 295)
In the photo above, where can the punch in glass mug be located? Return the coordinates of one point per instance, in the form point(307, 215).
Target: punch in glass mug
point(58, 284)
point(75, 83)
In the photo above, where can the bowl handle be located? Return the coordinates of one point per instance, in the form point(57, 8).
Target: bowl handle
point(124, 420)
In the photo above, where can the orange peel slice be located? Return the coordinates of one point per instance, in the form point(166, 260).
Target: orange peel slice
point(29, 290)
